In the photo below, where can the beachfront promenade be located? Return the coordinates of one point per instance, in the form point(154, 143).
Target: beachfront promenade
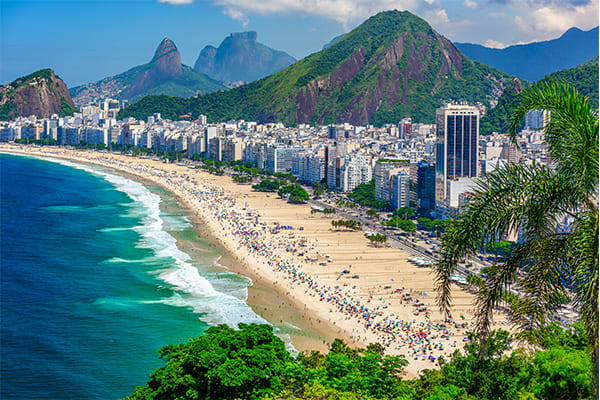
point(343, 284)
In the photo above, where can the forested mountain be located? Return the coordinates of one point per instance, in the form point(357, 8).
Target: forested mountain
point(41, 93)
point(583, 77)
point(392, 66)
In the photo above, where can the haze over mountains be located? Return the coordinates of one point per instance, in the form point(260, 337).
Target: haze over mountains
point(392, 66)
point(240, 57)
point(533, 61)
point(164, 74)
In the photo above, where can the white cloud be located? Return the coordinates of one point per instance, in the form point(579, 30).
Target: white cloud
point(236, 14)
point(343, 11)
point(176, 2)
point(557, 18)
point(494, 44)
point(438, 17)
point(471, 4)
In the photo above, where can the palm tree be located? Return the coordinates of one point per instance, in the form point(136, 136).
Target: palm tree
point(555, 209)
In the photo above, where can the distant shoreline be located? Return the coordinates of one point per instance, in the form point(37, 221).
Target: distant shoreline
point(384, 274)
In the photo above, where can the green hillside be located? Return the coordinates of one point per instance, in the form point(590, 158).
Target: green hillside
point(188, 84)
point(584, 78)
point(392, 66)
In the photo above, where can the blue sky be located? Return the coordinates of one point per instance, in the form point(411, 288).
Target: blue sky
point(86, 40)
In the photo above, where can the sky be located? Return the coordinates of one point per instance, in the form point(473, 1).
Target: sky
point(86, 40)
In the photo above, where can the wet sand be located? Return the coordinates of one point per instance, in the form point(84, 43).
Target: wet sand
point(328, 282)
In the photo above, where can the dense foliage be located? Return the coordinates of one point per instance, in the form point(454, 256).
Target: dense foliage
point(584, 78)
point(41, 74)
point(496, 119)
point(267, 185)
point(221, 364)
point(294, 193)
point(252, 363)
point(404, 224)
point(422, 86)
point(559, 370)
point(66, 109)
point(7, 111)
point(433, 225)
point(364, 194)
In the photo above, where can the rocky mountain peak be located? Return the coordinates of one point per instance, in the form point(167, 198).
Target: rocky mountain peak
point(41, 93)
point(165, 47)
point(240, 57)
point(249, 36)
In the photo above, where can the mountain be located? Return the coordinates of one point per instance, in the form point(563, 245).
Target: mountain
point(164, 74)
point(241, 58)
point(41, 93)
point(584, 78)
point(392, 66)
point(533, 61)
point(333, 41)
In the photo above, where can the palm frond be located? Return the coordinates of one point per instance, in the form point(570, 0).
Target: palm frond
point(571, 132)
point(515, 197)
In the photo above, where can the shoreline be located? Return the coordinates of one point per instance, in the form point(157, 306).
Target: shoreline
point(264, 298)
point(374, 307)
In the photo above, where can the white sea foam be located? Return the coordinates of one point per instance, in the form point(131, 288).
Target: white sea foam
point(191, 288)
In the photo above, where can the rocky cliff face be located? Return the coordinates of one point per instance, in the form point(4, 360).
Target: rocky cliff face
point(392, 66)
point(164, 74)
point(241, 58)
point(165, 64)
point(41, 93)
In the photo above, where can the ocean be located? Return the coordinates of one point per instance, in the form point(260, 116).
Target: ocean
point(93, 282)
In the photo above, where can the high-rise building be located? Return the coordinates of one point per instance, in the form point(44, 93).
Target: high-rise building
point(332, 132)
point(457, 156)
point(279, 158)
point(384, 169)
point(536, 119)
point(422, 186)
point(405, 128)
point(209, 133)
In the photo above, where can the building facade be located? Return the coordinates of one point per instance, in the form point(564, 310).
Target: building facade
point(457, 156)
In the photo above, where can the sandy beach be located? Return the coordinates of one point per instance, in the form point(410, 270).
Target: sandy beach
point(333, 282)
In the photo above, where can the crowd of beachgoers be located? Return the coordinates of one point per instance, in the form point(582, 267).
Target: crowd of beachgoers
point(285, 249)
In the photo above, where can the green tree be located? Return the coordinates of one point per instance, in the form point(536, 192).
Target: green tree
point(553, 261)
point(267, 185)
point(298, 194)
point(404, 212)
point(372, 212)
point(405, 225)
point(223, 363)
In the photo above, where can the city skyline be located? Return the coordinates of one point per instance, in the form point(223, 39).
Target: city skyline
point(89, 40)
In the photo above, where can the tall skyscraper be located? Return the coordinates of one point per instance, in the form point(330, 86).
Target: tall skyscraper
point(210, 132)
point(332, 132)
point(456, 155)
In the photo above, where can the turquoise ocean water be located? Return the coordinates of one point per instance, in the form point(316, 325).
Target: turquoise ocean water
point(93, 283)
